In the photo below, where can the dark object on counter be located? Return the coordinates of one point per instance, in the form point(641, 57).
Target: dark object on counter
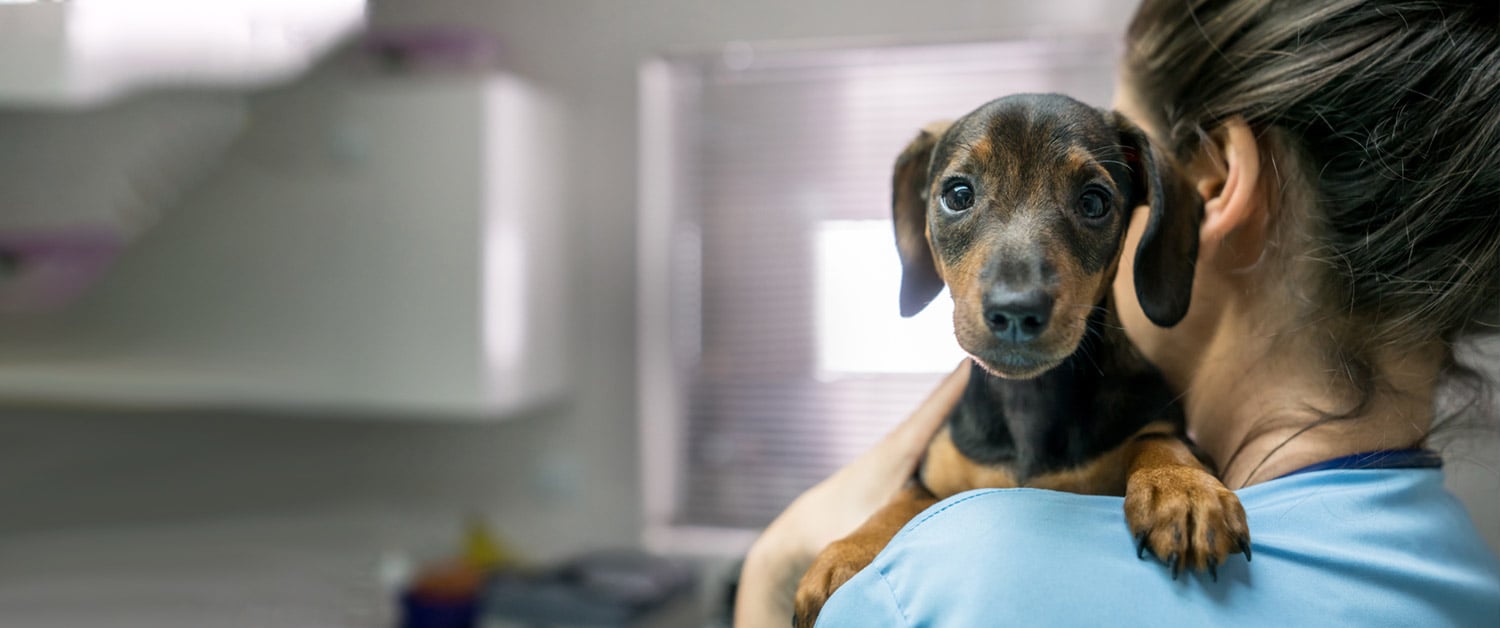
point(731, 590)
point(601, 590)
point(443, 596)
point(419, 612)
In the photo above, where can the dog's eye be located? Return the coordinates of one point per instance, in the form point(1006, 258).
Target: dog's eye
point(1093, 204)
point(958, 196)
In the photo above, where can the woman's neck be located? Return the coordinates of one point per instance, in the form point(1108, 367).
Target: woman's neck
point(1254, 401)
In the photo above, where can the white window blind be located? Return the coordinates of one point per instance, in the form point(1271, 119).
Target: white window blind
point(772, 349)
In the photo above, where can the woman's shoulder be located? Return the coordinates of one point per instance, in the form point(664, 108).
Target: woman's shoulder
point(1347, 546)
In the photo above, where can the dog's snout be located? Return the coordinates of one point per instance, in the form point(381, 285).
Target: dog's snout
point(1017, 315)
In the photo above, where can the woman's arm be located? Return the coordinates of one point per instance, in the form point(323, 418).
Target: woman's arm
point(834, 508)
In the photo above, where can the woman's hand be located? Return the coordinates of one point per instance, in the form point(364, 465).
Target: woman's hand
point(834, 507)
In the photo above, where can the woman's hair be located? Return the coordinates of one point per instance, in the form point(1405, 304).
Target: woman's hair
point(1389, 112)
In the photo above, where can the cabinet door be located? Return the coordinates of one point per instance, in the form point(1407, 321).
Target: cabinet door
point(367, 247)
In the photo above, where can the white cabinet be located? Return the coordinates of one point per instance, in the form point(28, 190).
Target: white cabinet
point(378, 246)
point(83, 54)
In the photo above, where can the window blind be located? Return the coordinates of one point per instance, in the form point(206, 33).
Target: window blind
point(788, 356)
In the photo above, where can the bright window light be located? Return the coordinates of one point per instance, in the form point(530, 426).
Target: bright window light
point(86, 52)
point(859, 324)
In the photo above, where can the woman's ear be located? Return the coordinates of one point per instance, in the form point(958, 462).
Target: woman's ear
point(1235, 215)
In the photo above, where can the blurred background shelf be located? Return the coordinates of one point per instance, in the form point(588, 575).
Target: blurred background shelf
point(369, 246)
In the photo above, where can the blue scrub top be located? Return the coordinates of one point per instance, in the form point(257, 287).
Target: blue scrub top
point(1336, 547)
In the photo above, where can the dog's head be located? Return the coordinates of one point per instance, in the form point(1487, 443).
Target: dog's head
point(1021, 207)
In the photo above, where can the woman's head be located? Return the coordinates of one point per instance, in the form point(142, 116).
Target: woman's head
point(1374, 222)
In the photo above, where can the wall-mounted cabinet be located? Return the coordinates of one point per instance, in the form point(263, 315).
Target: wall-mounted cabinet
point(375, 246)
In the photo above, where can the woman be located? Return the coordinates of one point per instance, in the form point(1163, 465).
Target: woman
point(1348, 153)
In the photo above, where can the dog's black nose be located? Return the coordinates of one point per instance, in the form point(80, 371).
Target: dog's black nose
point(1017, 316)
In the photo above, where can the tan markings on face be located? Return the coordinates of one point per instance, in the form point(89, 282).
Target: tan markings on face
point(1079, 159)
point(946, 472)
point(1076, 294)
point(1082, 290)
point(1107, 278)
point(967, 290)
point(1023, 198)
point(982, 151)
point(1073, 301)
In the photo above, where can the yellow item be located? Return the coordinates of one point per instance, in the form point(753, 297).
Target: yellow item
point(484, 549)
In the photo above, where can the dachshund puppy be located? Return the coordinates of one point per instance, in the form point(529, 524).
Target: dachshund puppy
point(1020, 208)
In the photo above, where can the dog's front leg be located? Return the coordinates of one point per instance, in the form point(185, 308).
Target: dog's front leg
point(1178, 509)
point(838, 562)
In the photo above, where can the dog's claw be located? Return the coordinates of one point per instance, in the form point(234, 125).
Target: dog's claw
point(1194, 522)
point(1140, 544)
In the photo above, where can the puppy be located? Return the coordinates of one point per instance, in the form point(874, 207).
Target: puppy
point(1021, 208)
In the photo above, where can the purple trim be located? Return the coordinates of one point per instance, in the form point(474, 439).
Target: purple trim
point(46, 270)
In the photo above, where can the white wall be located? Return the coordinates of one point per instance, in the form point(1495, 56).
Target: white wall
point(561, 479)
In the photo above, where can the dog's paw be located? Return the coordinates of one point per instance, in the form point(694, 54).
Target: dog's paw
point(1186, 517)
point(834, 566)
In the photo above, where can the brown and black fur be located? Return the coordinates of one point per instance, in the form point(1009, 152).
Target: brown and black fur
point(1059, 398)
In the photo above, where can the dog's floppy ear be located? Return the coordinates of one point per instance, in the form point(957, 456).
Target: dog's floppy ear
point(920, 281)
point(1168, 250)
